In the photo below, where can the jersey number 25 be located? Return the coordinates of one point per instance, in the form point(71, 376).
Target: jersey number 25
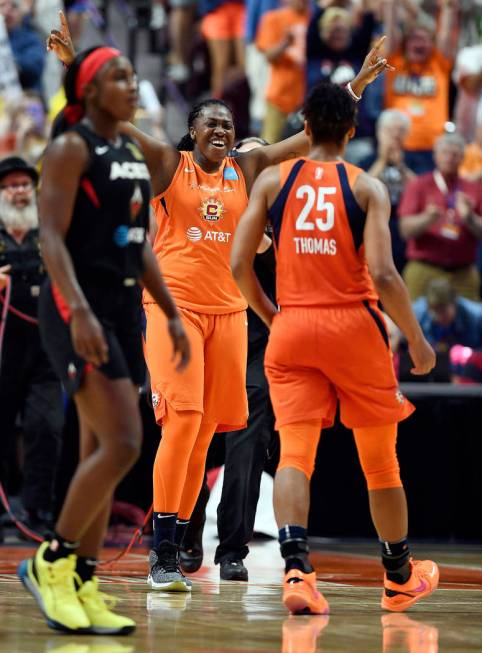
point(326, 221)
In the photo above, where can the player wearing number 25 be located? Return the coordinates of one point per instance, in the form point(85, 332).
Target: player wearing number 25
point(328, 341)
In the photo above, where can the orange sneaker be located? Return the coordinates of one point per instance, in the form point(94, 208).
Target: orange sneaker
point(422, 582)
point(300, 595)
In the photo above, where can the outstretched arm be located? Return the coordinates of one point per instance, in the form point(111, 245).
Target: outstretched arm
point(161, 158)
point(249, 233)
point(255, 161)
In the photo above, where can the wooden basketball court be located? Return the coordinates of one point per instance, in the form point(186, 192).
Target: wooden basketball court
point(238, 617)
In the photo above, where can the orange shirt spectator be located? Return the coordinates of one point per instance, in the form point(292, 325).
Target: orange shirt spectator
point(282, 37)
point(422, 56)
point(420, 90)
point(471, 168)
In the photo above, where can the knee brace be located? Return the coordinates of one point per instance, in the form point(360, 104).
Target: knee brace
point(378, 456)
point(299, 443)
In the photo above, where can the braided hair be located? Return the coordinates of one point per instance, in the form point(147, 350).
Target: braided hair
point(186, 144)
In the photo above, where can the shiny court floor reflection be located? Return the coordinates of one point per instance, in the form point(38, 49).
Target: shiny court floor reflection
point(237, 617)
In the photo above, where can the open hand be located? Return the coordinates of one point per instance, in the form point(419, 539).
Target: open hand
point(60, 41)
point(88, 337)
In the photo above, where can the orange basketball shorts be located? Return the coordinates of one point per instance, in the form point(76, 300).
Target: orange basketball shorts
point(226, 22)
point(214, 383)
point(317, 356)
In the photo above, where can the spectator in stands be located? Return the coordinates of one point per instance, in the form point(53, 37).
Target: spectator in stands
point(419, 85)
point(388, 165)
point(447, 319)
point(28, 386)
point(27, 47)
point(257, 68)
point(468, 76)
point(223, 27)
point(471, 168)
point(181, 22)
point(335, 47)
point(282, 38)
point(440, 217)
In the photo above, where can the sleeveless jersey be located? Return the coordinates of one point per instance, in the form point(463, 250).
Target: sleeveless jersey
point(196, 219)
point(111, 213)
point(318, 232)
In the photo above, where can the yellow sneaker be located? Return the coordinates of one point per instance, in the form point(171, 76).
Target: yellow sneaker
point(96, 605)
point(52, 586)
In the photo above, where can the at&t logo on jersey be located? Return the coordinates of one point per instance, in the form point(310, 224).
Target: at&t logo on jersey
point(212, 209)
point(194, 234)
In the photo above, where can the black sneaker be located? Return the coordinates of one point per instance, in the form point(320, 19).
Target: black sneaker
point(164, 571)
point(191, 558)
point(233, 570)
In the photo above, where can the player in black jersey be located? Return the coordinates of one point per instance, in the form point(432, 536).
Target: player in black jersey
point(94, 209)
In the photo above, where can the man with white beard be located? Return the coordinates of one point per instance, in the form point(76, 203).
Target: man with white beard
point(29, 388)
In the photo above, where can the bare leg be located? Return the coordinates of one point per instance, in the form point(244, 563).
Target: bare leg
point(388, 509)
point(180, 30)
point(220, 56)
point(110, 409)
point(291, 497)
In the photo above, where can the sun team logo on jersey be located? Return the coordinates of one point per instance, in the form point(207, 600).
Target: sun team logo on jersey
point(212, 209)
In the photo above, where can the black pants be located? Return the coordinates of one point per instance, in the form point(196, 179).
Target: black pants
point(246, 453)
point(29, 388)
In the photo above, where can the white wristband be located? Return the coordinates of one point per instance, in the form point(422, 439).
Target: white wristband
point(351, 93)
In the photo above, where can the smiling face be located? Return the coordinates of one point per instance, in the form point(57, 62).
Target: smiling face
point(213, 132)
point(418, 45)
point(114, 90)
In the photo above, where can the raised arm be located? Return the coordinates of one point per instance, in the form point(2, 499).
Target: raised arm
point(390, 25)
point(255, 161)
point(161, 158)
point(447, 32)
point(63, 167)
point(388, 283)
point(249, 233)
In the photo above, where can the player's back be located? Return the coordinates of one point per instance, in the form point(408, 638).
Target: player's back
point(318, 230)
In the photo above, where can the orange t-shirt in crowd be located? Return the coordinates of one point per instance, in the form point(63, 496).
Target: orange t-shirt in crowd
point(196, 219)
point(422, 92)
point(286, 86)
point(472, 162)
point(318, 233)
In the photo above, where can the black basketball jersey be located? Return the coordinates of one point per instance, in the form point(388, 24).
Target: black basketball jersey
point(111, 213)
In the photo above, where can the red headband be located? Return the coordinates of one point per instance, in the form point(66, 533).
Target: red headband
point(91, 66)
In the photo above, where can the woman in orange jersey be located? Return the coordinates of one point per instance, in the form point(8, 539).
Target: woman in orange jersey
point(200, 193)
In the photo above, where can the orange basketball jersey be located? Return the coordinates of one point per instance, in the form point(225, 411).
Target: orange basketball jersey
point(318, 233)
point(196, 219)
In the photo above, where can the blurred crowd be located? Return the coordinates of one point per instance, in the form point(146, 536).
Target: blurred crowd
point(419, 131)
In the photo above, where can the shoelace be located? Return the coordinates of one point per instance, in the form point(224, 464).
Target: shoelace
point(61, 576)
point(99, 600)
